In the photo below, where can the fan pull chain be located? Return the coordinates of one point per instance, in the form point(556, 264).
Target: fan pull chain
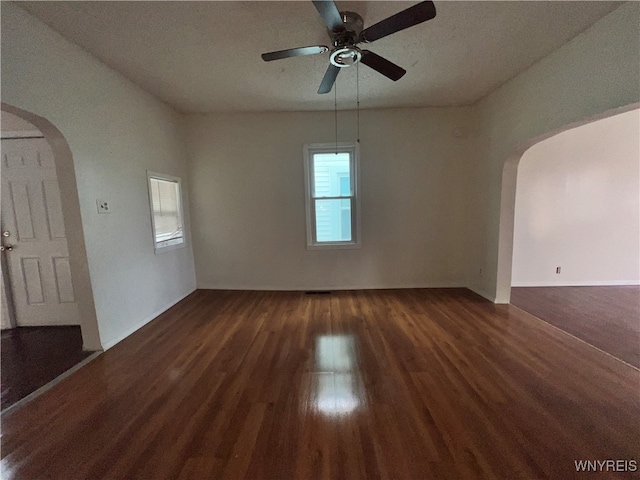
point(335, 111)
point(358, 101)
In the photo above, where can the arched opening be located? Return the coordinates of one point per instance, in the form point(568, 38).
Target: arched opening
point(75, 265)
point(508, 201)
point(577, 207)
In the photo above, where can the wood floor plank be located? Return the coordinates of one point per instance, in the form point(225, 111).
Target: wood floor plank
point(607, 317)
point(387, 384)
point(33, 356)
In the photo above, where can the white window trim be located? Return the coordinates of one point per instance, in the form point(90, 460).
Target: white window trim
point(354, 149)
point(166, 246)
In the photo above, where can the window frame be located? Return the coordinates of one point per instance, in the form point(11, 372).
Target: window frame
point(166, 245)
point(353, 149)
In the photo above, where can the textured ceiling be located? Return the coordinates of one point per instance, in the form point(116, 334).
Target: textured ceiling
point(205, 56)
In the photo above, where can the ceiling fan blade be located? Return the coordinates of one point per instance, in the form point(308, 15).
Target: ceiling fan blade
point(294, 52)
point(419, 13)
point(382, 65)
point(329, 79)
point(330, 14)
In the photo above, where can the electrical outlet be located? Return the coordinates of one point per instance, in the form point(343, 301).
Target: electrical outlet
point(103, 206)
point(558, 269)
point(480, 272)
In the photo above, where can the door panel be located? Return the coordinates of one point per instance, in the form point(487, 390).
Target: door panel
point(23, 219)
point(6, 319)
point(33, 280)
point(39, 267)
point(55, 221)
point(64, 285)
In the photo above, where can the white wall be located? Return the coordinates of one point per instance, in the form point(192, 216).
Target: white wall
point(432, 202)
point(115, 132)
point(595, 72)
point(577, 206)
point(248, 210)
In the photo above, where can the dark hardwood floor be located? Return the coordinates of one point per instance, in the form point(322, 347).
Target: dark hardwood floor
point(33, 356)
point(391, 384)
point(606, 317)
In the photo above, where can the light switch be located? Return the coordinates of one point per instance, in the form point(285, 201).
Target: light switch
point(103, 206)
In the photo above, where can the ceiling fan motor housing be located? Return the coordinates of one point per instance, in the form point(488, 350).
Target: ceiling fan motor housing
point(345, 53)
point(353, 25)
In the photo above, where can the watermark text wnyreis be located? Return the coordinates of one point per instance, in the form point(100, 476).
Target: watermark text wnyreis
point(606, 465)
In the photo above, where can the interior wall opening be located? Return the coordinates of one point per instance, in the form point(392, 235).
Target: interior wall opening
point(48, 317)
point(576, 232)
point(508, 200)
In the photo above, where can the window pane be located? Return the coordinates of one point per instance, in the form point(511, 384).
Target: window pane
point(345, 186)
point(166, 209)
point(333, 220)
point(328, 171)
point(345, 223)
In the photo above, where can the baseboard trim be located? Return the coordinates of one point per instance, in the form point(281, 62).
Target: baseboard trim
point(209, 286)
point(605, 283)
point(110, 343)
point(54, 323)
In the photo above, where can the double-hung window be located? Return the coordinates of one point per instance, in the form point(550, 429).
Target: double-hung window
point(332, 195)
point(165, 197)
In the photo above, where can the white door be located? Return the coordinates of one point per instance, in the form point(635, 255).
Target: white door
point(38, 257)
point(5, 315)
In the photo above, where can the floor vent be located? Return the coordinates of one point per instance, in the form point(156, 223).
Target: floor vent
point(317, 292)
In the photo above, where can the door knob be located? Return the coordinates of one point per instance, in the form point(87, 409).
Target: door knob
point(6, 234)
point(6, 247)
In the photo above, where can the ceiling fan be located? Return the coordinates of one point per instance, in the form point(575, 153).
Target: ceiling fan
point(346, 32)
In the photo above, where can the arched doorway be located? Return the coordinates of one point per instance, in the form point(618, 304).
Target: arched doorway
point(576, 254)
point(44, 256)
point(508, 200)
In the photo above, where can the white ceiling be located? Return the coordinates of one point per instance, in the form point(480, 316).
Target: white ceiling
point(205, 56)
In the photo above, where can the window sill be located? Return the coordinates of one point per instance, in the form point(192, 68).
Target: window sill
point(168, 248)
point(334, 246)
